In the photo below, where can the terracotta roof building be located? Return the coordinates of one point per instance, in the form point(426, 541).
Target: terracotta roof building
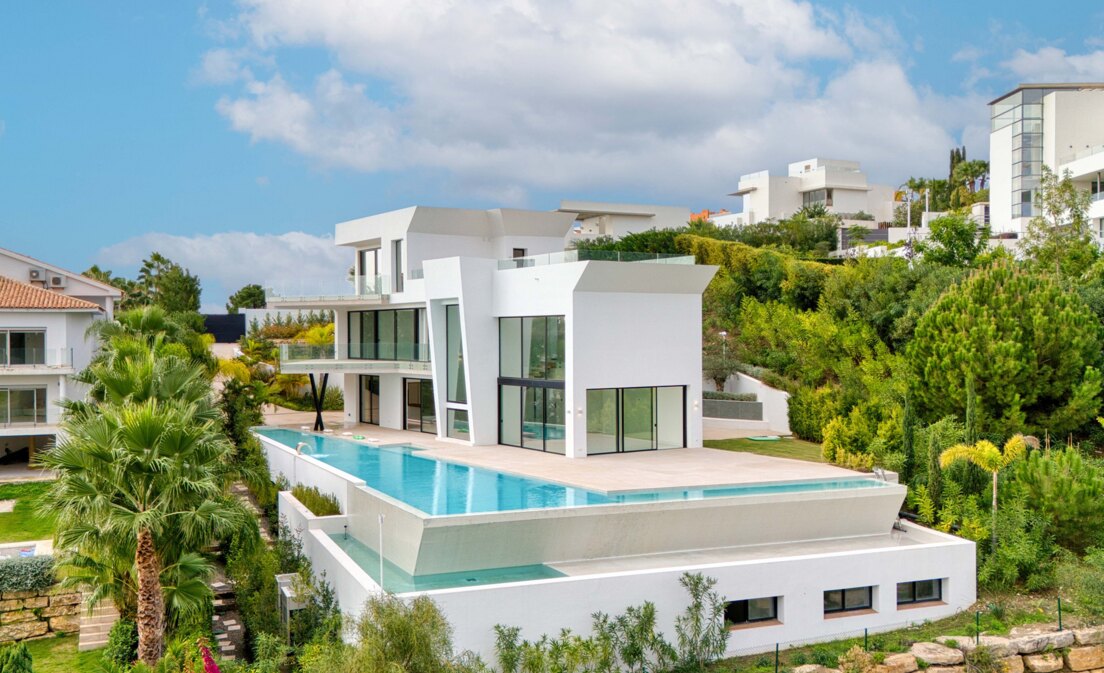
point(15, 295)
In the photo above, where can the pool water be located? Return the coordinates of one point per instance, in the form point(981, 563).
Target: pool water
point(441, 488)
point(397, 581)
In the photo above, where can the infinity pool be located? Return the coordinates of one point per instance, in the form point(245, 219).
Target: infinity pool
point(441, 488)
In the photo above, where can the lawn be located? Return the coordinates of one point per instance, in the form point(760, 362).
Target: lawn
point(783, 448)
point(24, 523)
point(59, 655)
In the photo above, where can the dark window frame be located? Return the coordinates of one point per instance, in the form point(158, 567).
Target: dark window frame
point(460, 350)
point(914, 600)
point(421, 405)
point(868, 605)
point(521, 347)
point(619, 413)
point(747, 612)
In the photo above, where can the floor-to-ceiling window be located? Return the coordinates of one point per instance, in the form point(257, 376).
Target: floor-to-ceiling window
point(22, 347)
point(393, 334)
point(635, 419)
point(420, 411)
point(370, 399)
point(454, 352)
point(22, 406)
point(531, 382)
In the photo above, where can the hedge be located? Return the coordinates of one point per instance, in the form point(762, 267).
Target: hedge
point(735, 397)
point(26, 573)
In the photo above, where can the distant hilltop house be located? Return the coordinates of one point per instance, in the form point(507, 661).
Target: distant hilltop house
point(45, 312)
point(840, 186)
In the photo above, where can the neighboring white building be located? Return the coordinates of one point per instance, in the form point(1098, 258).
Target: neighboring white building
point(840, 186)
point(477, 325)
point(594, 219)
point(1057, 125)
point(44, 314)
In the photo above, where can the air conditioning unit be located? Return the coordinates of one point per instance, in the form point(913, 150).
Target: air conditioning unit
point(57, 280)
point(36, 275)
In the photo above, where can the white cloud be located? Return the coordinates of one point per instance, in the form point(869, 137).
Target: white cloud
point(1051, 64)
point(222, 66)
point(226, 261)
point(512, 95)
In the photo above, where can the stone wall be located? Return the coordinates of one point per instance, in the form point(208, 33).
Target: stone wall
point(1037, 648)
point(33, 614)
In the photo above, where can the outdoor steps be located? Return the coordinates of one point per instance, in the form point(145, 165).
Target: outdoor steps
point(95, 626)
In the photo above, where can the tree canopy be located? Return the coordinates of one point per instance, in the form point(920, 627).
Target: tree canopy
point(250, 296)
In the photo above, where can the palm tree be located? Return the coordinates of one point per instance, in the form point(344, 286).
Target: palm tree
point(988, 457)
point(143, 470)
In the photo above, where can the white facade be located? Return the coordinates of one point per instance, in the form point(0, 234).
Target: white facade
point(604, 316)
point(42, 344)
point(594, 219)
point(1060, 126)
point(840, 186)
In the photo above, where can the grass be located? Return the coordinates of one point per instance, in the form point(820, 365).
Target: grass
point(59, 655)
point(999, 613)
point(24, 523)
point(783, 448)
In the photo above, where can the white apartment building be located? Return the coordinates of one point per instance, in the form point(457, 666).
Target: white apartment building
point(840, 186)
point(478, 326)
point(1060, 126)
point(44, 314)
point(594, 219)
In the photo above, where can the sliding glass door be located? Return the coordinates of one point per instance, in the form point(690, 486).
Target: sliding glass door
point(370, 399)
point(635, 419)
point(420, 411)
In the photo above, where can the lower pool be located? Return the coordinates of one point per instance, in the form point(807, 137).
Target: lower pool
point(397, 581)
point(441, 488)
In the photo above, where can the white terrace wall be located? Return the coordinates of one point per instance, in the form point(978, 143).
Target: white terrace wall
point(776, 403)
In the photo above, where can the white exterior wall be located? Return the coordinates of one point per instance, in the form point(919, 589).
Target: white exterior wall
point(778, 197)
point(1000, 181)
point(17, 267)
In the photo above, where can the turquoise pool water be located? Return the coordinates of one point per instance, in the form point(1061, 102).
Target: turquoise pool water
point(397, 581)
point(441, 488)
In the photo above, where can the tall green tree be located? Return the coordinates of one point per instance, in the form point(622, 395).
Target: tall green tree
point(178, 291)
point(1059, 237)
point(1068, 491)
point(988, 457)
point(143, 470)
point(954, 240)
point(250, 296)
point(1031, 346)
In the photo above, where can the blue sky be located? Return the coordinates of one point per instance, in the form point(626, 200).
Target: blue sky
point(182, 126)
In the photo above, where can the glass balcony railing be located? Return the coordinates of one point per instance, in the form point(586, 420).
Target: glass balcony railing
point(568, 256)
point(396, 352)
point(19, 358)
point(368, 287)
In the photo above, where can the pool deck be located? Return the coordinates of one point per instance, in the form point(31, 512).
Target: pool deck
point(645, 470)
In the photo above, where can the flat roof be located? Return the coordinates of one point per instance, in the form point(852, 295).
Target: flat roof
point(1063, 86)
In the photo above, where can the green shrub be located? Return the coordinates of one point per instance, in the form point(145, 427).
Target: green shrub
point(810, 409)
point(15, 659)
point(122, 643)
point(735, 397)
point(30, 573)
point(319, 503)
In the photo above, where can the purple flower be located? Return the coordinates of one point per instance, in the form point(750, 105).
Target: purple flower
point(209, 665)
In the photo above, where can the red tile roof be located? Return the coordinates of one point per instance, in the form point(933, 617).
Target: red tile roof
point(17, 295)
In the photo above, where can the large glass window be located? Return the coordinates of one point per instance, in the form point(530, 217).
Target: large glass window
point(399, 334)
point(509, 348)
point(22, 406)
point(532, 421)
point(454, 364)
point(421, 414)
point(458, 424)
point(22, 347)
point(509, 415)
point(396, 266)
point(532, 348)
point(848, 600)
point(532, 359)
point(635, 419)
point(532, 417)
point(370, 399)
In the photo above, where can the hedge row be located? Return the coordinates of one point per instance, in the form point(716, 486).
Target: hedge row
point(734, 397)
point(29, 573)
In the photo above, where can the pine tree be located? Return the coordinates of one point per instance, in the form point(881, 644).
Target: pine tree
point(15, 658)
point(935, 473)
point(971, 420)
point(908, 440)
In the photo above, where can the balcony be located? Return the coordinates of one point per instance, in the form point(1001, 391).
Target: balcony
point(568, 256)
point(364, 358)
point(317, 292)
point(31, 360)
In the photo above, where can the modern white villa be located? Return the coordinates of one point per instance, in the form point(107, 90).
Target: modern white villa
point(840, 186)
point(521, 441)
point(44, 314)
point(1056, 125)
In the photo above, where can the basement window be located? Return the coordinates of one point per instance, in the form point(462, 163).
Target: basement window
point(751, 611)
point(848, 600)
point(920, 591)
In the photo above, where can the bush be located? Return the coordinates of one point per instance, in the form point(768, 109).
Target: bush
point(31, 573)
point(319, 503)
point(735, 397)
point(810, 409)
point(15, 658)
point(122, 643)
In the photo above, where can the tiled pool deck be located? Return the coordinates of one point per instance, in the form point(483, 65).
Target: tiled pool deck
point(670, 468)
